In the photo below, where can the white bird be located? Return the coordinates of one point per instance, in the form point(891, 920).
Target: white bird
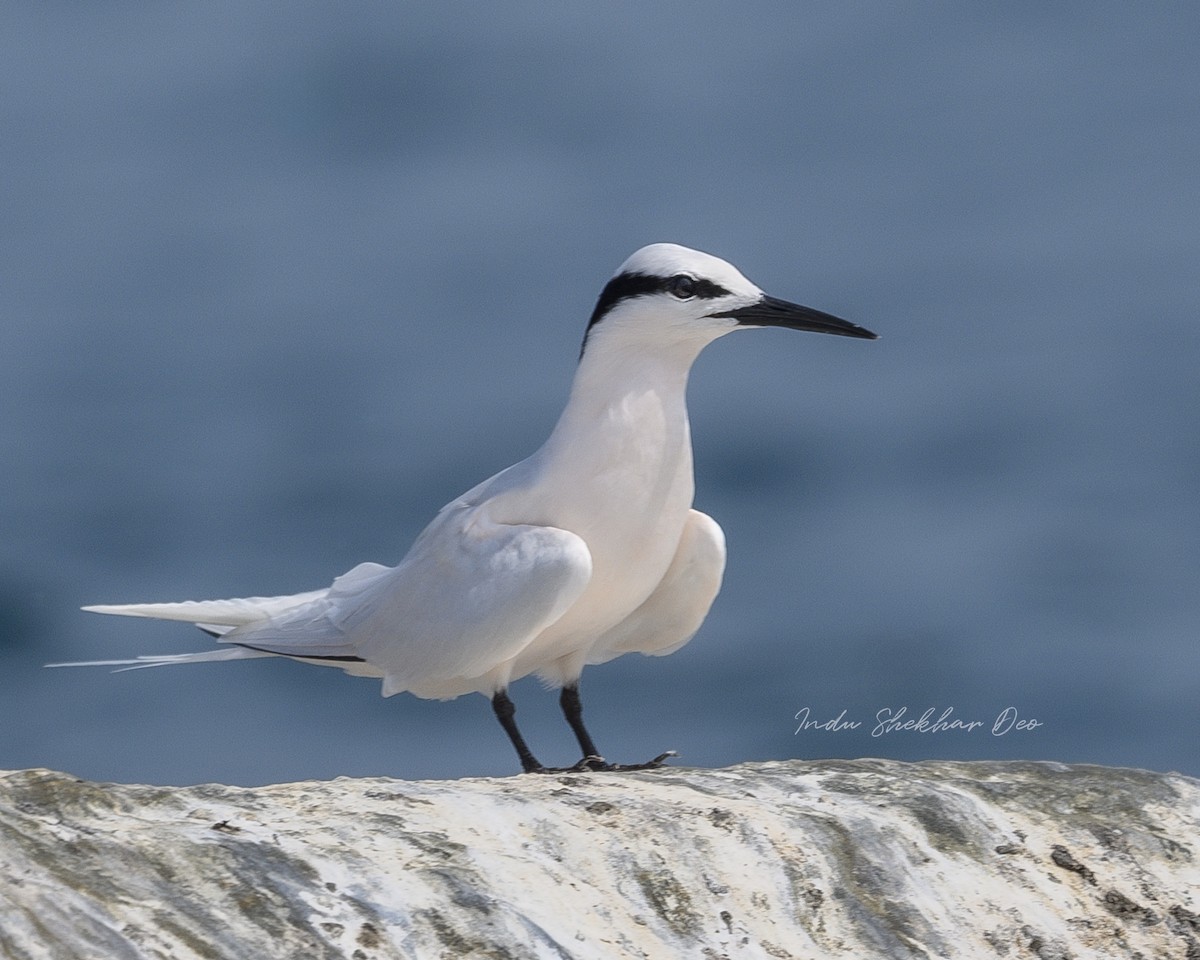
point(586, 550)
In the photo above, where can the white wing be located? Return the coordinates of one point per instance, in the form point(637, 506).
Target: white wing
point(470, 595)
point(214, 613)
point(220, 616)
point(467, 599)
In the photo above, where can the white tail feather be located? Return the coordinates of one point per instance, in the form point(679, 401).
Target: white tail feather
point(166, 660)
point(354, 667)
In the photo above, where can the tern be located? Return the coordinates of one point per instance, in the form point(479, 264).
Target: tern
point(587, 550)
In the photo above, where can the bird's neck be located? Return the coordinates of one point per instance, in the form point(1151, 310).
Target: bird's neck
point(624, 431)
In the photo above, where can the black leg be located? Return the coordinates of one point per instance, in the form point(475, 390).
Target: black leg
point(504, 713)
point(572, 709)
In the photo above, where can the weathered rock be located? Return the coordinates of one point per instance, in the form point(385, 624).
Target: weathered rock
point(858, 859)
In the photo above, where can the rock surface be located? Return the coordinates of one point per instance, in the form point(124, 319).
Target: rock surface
point(858, 859)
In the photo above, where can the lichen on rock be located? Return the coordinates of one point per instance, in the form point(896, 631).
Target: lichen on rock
point(796, 859)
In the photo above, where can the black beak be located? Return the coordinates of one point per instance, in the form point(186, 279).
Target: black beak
point(773, 312)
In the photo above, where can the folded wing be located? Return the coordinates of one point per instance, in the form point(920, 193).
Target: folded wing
point(466, 600)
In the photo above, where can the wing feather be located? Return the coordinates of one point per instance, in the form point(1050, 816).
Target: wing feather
point(228, 613)
point(467, 598)
point(470, 595)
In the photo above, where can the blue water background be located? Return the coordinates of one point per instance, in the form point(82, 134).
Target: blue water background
point(279, 280)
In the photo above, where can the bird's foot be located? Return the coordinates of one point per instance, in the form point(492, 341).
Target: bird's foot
point(586, 765)
point(600, 764)
point(594, 764)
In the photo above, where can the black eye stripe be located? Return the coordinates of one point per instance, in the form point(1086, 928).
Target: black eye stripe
point(625, 286)
point(628, 285)
point(707, 290)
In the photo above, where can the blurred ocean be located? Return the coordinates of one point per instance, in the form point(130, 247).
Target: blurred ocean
point(279, 281)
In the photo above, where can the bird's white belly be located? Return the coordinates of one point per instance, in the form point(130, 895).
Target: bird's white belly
point(621, 480)
point(629, 558)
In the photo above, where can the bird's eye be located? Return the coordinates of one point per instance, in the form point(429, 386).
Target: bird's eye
point(682, 286)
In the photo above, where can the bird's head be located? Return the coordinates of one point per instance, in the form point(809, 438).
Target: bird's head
point(666, 294)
